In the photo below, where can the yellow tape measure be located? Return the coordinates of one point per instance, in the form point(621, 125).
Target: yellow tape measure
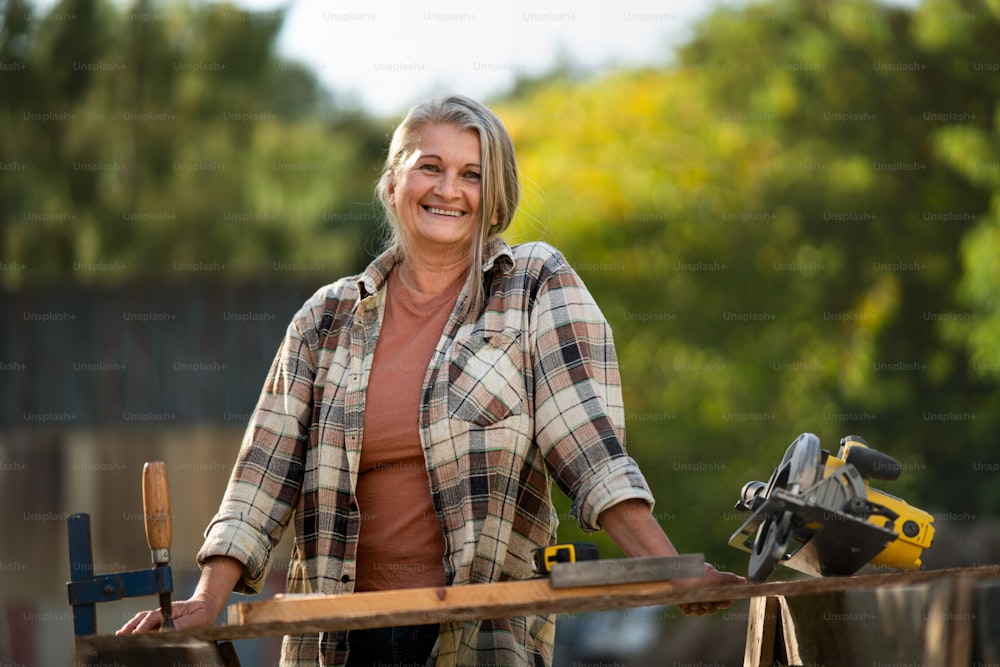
point(569, 552)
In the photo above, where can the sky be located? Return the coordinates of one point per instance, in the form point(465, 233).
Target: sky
point(385, 55)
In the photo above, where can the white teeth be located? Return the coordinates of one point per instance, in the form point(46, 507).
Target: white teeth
point(441, 211)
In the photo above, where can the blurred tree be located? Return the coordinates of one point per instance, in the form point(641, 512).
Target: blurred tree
point(15, 31)
point(855, 102)
point(775, 239)
point(794, 228)
point(968, 140)
point(169, 139)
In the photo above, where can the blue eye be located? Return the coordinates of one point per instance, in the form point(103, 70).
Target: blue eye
point(475, 175)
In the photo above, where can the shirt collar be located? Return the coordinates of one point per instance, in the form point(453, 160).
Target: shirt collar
point(373, 278)
point(495, 250)
point(371, 281)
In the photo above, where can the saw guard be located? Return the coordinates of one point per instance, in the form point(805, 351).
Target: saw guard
point(803, 458)
point(799, 468)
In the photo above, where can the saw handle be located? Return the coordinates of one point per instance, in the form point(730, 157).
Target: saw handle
point(871, 463)
point(156, 510)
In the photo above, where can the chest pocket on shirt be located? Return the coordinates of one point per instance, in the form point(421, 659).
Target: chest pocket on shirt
point(485, 380)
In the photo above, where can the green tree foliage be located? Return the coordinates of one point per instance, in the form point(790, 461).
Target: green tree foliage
point(945, 28)
point(775, 228)
point(795, 227)
point(852, 92)
point(169, 138)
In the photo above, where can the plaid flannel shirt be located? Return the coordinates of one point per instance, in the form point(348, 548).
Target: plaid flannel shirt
point(527, 394)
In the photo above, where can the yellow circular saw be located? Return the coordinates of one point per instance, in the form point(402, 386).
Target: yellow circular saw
point(818, 514)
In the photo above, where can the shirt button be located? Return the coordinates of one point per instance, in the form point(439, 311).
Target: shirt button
point(354, 507)
point(345, 578)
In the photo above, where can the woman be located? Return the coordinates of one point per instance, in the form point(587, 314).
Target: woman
point(415, 415)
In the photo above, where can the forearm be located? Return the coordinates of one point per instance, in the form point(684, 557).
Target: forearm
point(218, 578)
point(633, 528)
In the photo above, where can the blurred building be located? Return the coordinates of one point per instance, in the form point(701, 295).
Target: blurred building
point(96, 381)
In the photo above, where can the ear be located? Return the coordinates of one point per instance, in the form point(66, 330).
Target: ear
point(390, 190)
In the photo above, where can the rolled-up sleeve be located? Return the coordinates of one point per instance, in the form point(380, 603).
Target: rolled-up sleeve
point(579, 411)
point(266, 480)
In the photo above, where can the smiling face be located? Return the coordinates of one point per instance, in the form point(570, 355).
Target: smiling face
point(437, 190)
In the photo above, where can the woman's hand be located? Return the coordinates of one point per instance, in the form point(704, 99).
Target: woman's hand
point(185, 614)
point(712, 578)
point(218, 577)
point(633, 528)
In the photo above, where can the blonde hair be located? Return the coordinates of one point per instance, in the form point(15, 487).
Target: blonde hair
point(499, 179)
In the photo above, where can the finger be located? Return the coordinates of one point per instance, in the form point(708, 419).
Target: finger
point(718, 606)
point(151, 622)
point(709, 608)
point(132, 623)
point(692, 609)
point(703, 608)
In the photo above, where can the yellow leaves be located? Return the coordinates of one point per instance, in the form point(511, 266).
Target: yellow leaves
point(635, 151)
point(851, 174)
point(857, 21)
point(731, 139)
point(879, 303)
point(980, 328)
point(938, 24)
point(875, 310)
point(981, 250)
point(601, 150)
point(782, 95)
point(972, 152)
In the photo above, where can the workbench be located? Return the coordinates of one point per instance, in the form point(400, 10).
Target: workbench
point(946, 618)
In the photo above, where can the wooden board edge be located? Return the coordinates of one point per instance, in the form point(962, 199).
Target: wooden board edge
point(588, 599)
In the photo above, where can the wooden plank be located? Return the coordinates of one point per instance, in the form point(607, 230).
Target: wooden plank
point(913, 624)
point(299, 614)
point(627, 570)
point(417, 606)
point(961, 622)
point(987, 650)
point(761, 632)
point(936, 627)
point(854, 627)
point(791, 631)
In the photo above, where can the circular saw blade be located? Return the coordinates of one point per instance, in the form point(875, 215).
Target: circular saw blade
point(799, 469)
point(803, 461)
point(769, 546)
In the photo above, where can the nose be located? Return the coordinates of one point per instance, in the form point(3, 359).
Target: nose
point(447, 186)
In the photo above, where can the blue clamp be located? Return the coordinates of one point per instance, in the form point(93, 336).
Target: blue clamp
point(86, 590)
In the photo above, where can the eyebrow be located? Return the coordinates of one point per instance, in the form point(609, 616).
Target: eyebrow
point(438, 157)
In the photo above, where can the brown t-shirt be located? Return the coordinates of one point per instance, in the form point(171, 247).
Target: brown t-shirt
point(400, 544)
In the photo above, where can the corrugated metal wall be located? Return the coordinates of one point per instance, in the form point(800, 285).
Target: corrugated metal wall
point(94, 382)
point(139, 354)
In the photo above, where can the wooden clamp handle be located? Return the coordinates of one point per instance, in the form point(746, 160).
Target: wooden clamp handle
point(156, 510)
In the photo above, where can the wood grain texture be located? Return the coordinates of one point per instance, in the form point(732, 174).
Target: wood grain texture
point(156, 507)
point(627, 570)
point(762, 627)
point(932, 624)
point(299, 614)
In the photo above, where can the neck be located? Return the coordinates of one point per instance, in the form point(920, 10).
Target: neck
point(431, 278)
